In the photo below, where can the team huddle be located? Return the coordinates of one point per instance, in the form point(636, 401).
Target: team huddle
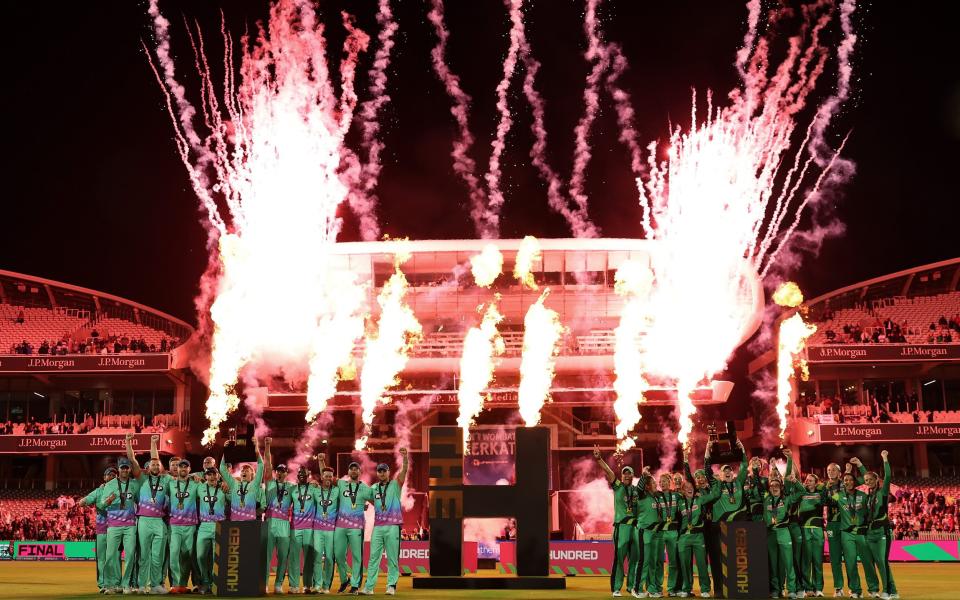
point(165, 523)
point(674, 522)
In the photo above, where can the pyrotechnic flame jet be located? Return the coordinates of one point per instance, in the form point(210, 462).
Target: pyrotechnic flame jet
point(633, 281)
point(791, 341)
point(481, 346)
point(273, 147)
point(385, 353)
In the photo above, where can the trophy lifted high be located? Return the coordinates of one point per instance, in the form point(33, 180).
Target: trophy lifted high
point(725, 449)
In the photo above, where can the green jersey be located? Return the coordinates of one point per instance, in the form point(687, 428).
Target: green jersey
point(243, 494)
point(693, 510)
point(852, 507)
point(731, 501)
point(625, 498)
point(878, 501)
point(776, 510)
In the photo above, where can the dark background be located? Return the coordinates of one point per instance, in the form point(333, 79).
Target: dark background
point(95, 194)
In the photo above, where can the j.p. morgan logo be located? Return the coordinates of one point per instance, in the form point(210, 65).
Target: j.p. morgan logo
point(902, 432)
point(51, 363)
point(859, 432)
point(925, 352)
point(843, 352)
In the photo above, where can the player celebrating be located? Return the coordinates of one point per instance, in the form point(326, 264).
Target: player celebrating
point(183, 492)
point(118, 500)
point(92, 499)
point(243, 493)
point(388, 518)
point(730, 506)
point(152, 507)
point(348, 534)
point(626, 542)
point(832, 486)
point(776, 514)
point(301, 542)
point(212, 510)
point(879, 535)
point(324, 526)
point(669, 533)
point(852, 506)
point(694, 506)
point(278, 497)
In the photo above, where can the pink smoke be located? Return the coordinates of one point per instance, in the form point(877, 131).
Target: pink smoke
point(591, 499)
point(407, 412)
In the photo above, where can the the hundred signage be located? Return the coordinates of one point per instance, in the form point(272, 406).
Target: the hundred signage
point(890, 432)
point(39, 363)
point(86, 443)
point(882, 352)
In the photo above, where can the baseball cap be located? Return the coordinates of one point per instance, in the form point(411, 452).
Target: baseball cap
point(383, 467)
point(353, 464)
point(209, 470)
point(184, 463)
point(700, 472)
point(627, 469)
point(280, 468)
point(123, 462)
point(110, 470)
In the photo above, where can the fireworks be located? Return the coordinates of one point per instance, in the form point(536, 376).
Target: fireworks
point(791, 338)
point(274, 143)
point(541, 343)
point(385, 353)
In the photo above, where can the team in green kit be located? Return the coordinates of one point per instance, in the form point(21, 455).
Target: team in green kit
point(800, 513)
point(157, 525)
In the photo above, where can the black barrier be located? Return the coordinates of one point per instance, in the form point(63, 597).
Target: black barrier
point(740, 549)
point(239, 558)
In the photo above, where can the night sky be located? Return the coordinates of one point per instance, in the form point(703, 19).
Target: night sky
point(95, 194)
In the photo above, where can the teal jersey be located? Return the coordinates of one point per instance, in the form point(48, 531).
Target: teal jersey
point(243, 494)
point(153, 500)
point(328, 506)
point(92, 499)
point(353, 502)
point(386, 503)
point(122, 511)
point(278, 497)
point(213, 502)
point(184, 496)
point(304, 505)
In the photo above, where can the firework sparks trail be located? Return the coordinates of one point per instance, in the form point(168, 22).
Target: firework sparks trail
point(481, 346)
point(633, 282)
point(727, 170)
point(542, 331)
point(791, 340)
point(385, 354)
point(275, 143)
point(363, 201)
point(487, 265)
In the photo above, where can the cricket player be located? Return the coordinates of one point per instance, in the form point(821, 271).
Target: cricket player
point(348, 534)
point(694, 508)
point(851, 504)
point(184, 494)
point(324, 526)
point(388, 519)
point(118, 499)
point(91, 500)
point(879, 534)
point(243, 493)
point(279, 494)
point(212, 510)
point(626, 541)
point(152, 508)
point(833, 485)
point(776, 515)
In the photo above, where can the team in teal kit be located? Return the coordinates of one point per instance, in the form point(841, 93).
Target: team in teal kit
point(388, 519)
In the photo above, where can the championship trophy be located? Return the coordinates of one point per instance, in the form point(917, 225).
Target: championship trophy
point(239, 449)
point(725, 449)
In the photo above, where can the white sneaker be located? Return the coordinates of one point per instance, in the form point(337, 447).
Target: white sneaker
point(277, 590)
point(159, 589)
point(883, 596)
point(391, 590)
point(617, 594)
point(128, 591)
point(704, 595)
point(838, 593)
point(853, 595)
point(819, 594)
point(635, 593)
point(656, 595)
point(366, 592)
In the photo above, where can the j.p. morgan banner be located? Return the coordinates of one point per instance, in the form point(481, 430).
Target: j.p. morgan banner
point(882, 352)
point(79, 363)
point(891, 432)
point(86, 443)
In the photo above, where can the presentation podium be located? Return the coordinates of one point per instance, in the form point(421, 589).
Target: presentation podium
point(239, 558)
point(740, 550)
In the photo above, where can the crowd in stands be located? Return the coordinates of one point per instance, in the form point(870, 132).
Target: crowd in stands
point(69, 522)
point(94, 344)
point(887, 331)
point(89, 424)
point(919, 511)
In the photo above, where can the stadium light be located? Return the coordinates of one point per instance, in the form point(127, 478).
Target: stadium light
point(929, 382)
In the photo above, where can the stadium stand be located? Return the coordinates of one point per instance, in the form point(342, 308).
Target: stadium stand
point(44, 515)
point(898, 319)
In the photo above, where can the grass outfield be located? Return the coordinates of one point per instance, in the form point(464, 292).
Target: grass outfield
point(916, 581)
